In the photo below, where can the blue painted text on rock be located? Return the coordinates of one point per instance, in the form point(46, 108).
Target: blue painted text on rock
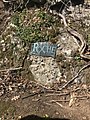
point(43, 49)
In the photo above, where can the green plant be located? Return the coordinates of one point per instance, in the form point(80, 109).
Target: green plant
point(34, 26)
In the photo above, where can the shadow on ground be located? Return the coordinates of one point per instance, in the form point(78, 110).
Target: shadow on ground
point(34, 117)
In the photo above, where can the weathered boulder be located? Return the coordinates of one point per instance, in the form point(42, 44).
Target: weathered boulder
point(45, 70)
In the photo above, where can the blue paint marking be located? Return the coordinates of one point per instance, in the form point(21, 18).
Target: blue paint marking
point(43, 49)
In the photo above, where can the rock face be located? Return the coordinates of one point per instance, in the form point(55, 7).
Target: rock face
point(45, 70)
point(68, 45)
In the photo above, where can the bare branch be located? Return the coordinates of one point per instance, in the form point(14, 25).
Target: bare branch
point(11, 69)
point(70, 81)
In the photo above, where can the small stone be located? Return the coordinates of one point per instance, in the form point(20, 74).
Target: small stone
point(84, 118)
point(84, 86)
point(2, 41)
point(10, 88)
point(2, 92)
point(0, 79)
point(78, 81)
point(57, 113)
point(3, 49)
point(19, 117)
point(34, 66)
point(15, 97)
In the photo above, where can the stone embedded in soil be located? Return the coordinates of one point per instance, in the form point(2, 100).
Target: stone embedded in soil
point(67, 44)
point(44, 69)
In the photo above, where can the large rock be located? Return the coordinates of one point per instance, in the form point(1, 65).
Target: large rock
point(45, 70)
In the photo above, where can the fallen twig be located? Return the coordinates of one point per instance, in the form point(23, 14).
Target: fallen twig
point(78, 36)
point(31, 95)
point(59, 104)
point(35, 93)
point(70, 81)
point(11, 69)
point(80, 97)
point(58, 93)
point(83, 96)
point(59, 100)
point(61, 16)
point(47, 88)
point(62, 94)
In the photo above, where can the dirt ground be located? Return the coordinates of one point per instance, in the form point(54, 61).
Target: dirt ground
point(39, 103)
point(45, 104)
